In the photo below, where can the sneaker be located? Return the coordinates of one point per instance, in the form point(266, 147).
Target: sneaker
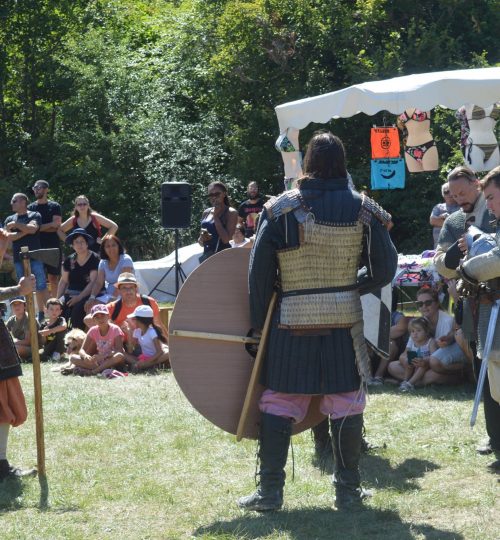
point(56, 357)
point(406, 386)
point(485, 449)
point(375, 381)
point(8, 471)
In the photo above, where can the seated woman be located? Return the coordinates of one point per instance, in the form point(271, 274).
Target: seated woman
point(79, 273)
point(447, 363)
point(102, 348)
point(85, 218)
point(218, 222)
point(114, 261)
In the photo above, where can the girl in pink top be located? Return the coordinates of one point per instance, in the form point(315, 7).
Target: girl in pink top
point(103, 345)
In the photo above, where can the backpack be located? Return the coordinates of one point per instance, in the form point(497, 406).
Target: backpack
point(146, 301)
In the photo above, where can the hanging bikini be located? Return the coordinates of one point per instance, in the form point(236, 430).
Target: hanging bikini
point(478, 113)
point(416, 152)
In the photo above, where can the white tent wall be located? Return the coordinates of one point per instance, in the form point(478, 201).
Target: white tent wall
point(424, 91)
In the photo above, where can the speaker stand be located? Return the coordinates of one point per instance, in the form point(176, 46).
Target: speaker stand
point(180, 275)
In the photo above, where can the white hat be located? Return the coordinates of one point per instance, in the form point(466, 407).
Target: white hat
point(142, 311)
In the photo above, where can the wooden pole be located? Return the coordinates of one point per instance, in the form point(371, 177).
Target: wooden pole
point(37, 377)
point(257, 368)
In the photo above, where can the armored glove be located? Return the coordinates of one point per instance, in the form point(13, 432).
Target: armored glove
point(466, 285)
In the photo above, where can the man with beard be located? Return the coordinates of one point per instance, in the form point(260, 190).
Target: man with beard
point(485, 269)
point(51, 219)
point(451, 248)
point(251, 208)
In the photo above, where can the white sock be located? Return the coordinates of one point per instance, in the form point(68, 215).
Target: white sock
point(4, 436)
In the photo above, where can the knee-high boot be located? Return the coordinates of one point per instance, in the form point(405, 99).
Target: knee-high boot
point(275, 433)
point(347, 435)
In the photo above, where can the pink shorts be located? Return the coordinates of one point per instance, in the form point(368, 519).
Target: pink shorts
point(143, 358)
point(295, 406)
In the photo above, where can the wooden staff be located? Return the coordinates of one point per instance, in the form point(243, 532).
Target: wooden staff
point(37, 378)
point(257, 368)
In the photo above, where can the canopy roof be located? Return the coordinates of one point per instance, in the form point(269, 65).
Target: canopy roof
point(450, 89)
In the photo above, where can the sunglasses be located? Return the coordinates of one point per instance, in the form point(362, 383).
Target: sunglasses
point(426, 303)
point(82, 204)
point(216, 194)
point(13, 201)
point(446, 192)
point(129, 288)
point(38, 188)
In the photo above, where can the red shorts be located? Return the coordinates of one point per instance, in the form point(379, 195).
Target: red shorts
point(13, 409)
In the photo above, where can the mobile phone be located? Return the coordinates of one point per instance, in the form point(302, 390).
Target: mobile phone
point(411, 355)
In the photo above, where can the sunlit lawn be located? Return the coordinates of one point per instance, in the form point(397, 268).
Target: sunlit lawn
point(129, 458)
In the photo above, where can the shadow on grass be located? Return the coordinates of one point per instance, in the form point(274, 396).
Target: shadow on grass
point(10, 494)
point(378, 472)
point(324, 523)
point(461, 392)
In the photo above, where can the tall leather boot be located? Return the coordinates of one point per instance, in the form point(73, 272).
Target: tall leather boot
point(347, 435)
point(275, 433)
point(323, 452)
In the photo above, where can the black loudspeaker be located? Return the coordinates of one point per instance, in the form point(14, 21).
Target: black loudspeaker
point(175, 205)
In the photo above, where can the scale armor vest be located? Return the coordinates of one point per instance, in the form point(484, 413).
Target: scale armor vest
point(319, 277)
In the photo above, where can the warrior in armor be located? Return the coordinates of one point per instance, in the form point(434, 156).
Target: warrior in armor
point(13, 410)
point(310, 246)
point(480, 277)
point(451, 248)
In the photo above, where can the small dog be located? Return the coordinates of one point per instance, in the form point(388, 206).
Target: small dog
point(73, 342)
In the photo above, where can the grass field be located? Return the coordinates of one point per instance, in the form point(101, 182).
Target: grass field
point(130, 459)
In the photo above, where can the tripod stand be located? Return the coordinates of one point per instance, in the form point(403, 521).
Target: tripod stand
point(180, 275)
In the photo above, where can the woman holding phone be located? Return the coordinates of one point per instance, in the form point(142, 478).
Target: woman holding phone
point(217, 222)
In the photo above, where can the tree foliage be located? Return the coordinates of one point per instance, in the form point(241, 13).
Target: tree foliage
point(113, 97)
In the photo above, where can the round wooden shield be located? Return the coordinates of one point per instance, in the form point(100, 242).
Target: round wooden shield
point(207, 328)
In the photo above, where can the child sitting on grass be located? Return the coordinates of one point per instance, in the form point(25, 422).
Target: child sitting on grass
point(52, 331)
point(103, 345)
point(153, 344)
point(416, 357)
point(19, 328)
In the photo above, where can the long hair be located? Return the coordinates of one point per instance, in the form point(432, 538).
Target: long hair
point(223, 188)
point(148, 321)
point(325, 157)
point(76, 213)
point(102, 249)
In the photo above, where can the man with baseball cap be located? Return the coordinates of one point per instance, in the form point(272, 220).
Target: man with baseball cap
point(51, 220)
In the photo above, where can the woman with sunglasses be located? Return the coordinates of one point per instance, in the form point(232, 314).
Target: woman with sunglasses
point(85, 218)
point(218, 222)
point(447, 363)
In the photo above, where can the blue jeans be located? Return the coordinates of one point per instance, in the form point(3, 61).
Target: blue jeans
point(37, 269)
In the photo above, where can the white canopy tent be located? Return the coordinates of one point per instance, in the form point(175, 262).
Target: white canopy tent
point(449, 89)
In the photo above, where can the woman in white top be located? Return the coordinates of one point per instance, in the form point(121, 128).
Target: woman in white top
point(446, 364)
